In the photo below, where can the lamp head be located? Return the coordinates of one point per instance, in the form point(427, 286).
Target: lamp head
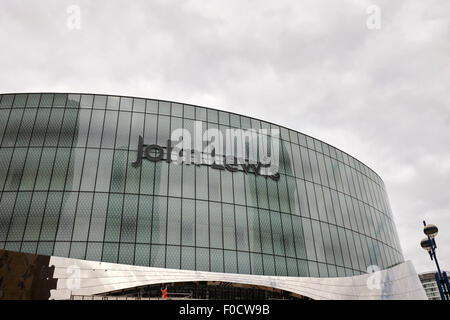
point(430, 230)
point(425, 244)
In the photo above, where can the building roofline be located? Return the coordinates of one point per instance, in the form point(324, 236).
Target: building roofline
point(195, 105)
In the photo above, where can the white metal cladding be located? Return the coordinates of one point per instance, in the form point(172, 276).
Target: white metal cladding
point(397, 283)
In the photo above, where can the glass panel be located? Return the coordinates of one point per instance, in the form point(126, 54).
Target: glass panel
point(188, 112)
point(53, 127)
point(336, 245)
point(314, 166)
point(309, 239)
point(299, 239)
point(123, 130)
point(174, 221)
point(62, 249)
point(329, 205)
point(256, 263)
point(269, 264)
point(318, 241)
point(312, 200)
point(352, 248)
point(98, 217)
point(113, 218)
point(4, 115)
point(12, 128)
point(173, 257)
point(323, 270)
point(201, 182)
point(119, 171)
point(320, 203)
point(227, 186)
point(188, 258)
point(288, 237)
point(291, 267)
point(152, 106)
point(126, 253)
point(19, 217)
point(109, 129)
point(272, 192)
point(147, 177)
point(82, 218)
point(129, 217)
point(344, 248)
point(50, 220)
point(213, 116)
point(239, 188)
point(29, 172)
point(280, 265)
point(6, 100)
point(327, 244)
point(126, 104)
point(241, 228)
point(139, 106)
point(283, 194)
point(16, 165)
point(234, 120)
point(202, 259)
point(164, 107)
point(261, 187)
point(188, 181)
point(214, 184)
point(243, 262)
point(157, 256)
point(45, 169)
point(94, 251)
point(60, 167)
point(24, 136)
point(159, 222)
point(144, 219)
point(110, 252)
point(215, 225)
point(89, 170)
point(104, 171)
point(39, 129)
point(266, 232)
point(229, 236)
point(175, 184)
point(230, 261)
point(84, 118)
point(66, 217)
point(277, 233)
point(202, 224)
point(96, 128)
point(216, 260)
point(224, 118)
point(253, 229)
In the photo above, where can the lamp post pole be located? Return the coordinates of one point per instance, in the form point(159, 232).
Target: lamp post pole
point(430, 245)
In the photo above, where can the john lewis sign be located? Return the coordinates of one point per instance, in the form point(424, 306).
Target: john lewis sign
point(245, 150)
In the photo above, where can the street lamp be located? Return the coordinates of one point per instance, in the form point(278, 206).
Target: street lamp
point(429, 244)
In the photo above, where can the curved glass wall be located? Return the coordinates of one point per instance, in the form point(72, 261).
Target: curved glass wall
point(68, 189)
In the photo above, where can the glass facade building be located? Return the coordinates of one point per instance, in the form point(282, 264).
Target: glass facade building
point(429, 284)
point(68, 189)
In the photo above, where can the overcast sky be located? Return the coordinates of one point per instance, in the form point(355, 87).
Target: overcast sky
point(382, 95)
